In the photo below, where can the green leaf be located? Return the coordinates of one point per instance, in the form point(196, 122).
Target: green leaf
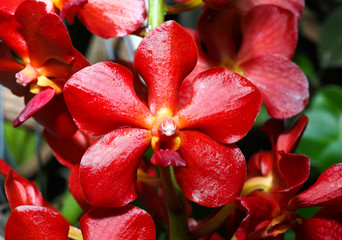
point(70, 208)
point(322, 139)
point(330, 44)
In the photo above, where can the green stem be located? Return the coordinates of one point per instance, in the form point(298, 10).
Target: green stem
point(183, 7)
point(178, 222)
point(156, 13)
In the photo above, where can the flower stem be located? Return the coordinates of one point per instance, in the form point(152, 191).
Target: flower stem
point(178, 223)
point(156, 13)
point(183, 7)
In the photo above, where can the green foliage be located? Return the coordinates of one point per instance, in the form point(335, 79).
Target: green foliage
point(330, 45)
point(322, 139)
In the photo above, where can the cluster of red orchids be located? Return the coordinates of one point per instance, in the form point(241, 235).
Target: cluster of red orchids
point(189, 95)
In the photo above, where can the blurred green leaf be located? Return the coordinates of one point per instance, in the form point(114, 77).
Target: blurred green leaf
point(70, 208)
point(330, 44)
point(322, 139)
point(20, 143)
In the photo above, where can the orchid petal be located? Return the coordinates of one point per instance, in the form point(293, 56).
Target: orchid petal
point(224, 105)
point(101, 98)
point(257, 210)
point(128, 222)
point(317, 227)
point(282, 84)
point(8, 68)
point(107, 18)
point(12, 33)
point(46, 34)
point(289, 140)
point(68, 151)
point(326, 192)
point(10, 6)
point(268, 30)
point(108, 169)
point(36, 223)
point(75, 188)
point(163, 59)
point(217, 29)
point(295, 6)
point(55, 117)
point(34, 105)
point(215, 173)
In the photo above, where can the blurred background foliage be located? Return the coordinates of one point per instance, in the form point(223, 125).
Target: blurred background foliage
point(319, 55)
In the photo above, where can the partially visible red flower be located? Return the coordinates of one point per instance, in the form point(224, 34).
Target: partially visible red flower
point(34, 218)
point(105, 18)
point(222, 109)
point(48, 59)
point(258, 46)
point(274, 178)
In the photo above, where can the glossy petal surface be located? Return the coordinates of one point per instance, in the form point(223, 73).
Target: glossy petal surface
point(38, 28)
point(282, 84)
point(109, 168)
point(75, 188)
point(214, 174)
point(34, 105)
point(326, 192)
point(268, 30)
point(36, 223)
point(163, 59)
point(108, 18)
point(126, 222)
point(224, 105)
point(101, 98)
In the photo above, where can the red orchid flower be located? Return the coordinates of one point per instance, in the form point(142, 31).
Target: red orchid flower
point(34, 218)
point(48, 60)
point(280, 175)
point(105, 18)
point(223, 107)
point(258, 46)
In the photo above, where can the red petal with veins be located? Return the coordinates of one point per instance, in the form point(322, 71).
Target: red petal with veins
point(218, 31)
point(55, 117)
point(108, 169)
point(282, 84)
point(36, 223)
point(166, 158)
point(295, 6)
point(215, 173)
point(34, 105)
point(326, 192)
point(101, 98)
point(46, 34)
point(12, 33)
point(224, 105)
point(8, 68)
point(328, 226)
point(108, 18)
point(163, 59)
point(10, 6)
point(268, 30)
point(128, 222)
point(257, 210)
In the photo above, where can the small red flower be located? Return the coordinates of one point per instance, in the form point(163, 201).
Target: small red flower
point(275, 178)
point(223, 107)
point(258, 46)
point(48, 60)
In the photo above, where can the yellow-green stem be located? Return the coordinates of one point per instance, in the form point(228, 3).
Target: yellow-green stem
point(178, 222)
point(156, 13)
point(183, 7)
